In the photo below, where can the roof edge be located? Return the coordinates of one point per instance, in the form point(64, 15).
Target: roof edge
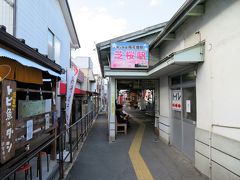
point(181, 13)
point(136, 33)
point(9, 41)
point(70, 23)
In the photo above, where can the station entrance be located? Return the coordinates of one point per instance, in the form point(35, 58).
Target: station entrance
point(137, 94)
point(137, 97)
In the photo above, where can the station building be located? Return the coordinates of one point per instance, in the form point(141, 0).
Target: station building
point(193, 70)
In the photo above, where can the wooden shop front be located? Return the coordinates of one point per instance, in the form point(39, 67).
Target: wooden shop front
point(28, 114)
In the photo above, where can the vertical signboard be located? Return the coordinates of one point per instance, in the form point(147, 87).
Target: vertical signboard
point(188, 106)
point(177, 100)
point(8, 116)
point(47, 121)
point(129, 55)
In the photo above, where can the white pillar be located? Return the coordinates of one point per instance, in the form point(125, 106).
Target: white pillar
point(157, 108)
point(111, 109)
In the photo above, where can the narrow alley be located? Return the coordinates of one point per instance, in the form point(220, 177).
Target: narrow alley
point(111, 90)
point(102, 160)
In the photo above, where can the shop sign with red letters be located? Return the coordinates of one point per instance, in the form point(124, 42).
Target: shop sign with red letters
point(177, 100)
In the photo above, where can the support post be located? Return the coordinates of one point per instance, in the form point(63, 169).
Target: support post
point(111, 109)
point(70, 144)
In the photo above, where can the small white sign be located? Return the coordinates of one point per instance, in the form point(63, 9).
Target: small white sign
point(177, 100)
point(188, 106)
point(48, 105)
point(47, 121)
point(29, 130)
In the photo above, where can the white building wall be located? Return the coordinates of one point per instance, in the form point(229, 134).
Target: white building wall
point(34, 18)
point(217, 90)
point(88, 76)
point(222, 53)
point(84, 84)
point(6, 15)
point(83, 62)
point(217, 86)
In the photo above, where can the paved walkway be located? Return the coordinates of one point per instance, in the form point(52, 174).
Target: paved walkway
point(100, 160)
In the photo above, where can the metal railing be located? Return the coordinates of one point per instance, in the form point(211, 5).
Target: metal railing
point(70, 138)
point(68, 141)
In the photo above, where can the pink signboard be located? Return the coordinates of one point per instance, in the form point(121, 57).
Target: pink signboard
point(129, 55)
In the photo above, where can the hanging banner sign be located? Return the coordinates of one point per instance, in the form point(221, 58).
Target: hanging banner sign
point(72, 74)
point(177, 100)
point(8, 117)
point(80, 73)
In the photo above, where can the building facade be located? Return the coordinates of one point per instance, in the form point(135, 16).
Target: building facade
point(206, 124)
point(36, 38)
point(45, 25)
point(197, 69)
point(86, 66)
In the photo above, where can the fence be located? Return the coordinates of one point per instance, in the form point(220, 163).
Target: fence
point(67, 141)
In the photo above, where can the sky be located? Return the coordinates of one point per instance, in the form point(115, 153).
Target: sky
point(100, 20)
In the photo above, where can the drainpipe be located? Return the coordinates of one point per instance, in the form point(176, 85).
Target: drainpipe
point(210, 152)
point(15, 18)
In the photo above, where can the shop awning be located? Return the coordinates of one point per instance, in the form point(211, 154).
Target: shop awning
point(19, 72)
point(178, 61)
point(63, 90)
point(26, 62)
point(173, 63)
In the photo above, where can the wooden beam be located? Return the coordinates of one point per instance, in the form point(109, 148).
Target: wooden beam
point(34, 90)
point(197, 11)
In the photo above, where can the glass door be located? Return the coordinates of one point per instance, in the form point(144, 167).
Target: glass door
point(177, 118)
point(183, 108)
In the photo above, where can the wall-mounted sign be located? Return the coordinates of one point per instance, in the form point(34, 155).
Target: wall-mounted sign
point(188, 106)
point(177, 100)
point(129, 55)
point(47, 121)
point(27, 108)
point(8, 117)
point(29, 134)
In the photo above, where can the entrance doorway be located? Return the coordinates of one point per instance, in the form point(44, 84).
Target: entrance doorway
point(183, 92)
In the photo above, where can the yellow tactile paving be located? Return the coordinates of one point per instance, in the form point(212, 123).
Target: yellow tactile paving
point(139, 165)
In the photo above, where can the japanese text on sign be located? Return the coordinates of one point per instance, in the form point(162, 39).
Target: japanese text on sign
point(8, 120)
point(129, 55)
point(176, 100)
point(72, 74)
